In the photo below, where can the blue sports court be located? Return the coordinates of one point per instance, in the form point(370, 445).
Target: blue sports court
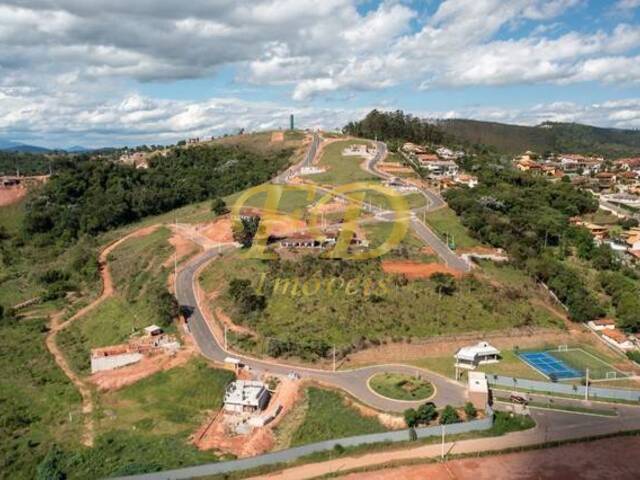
point(547, 364)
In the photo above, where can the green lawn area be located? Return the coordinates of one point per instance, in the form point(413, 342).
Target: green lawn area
point(342, 169)
point(292, 199)
point(445, 222)
point(167, 403)
point(510, 365)
point(400, 387)
point(327, 416)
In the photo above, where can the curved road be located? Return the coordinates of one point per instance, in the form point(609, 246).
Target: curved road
point(425, 234)
point(353, 381)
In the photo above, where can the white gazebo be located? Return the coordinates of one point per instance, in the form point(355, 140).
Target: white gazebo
point(474, 355)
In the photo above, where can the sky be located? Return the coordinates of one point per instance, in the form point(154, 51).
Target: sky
point(97, 73)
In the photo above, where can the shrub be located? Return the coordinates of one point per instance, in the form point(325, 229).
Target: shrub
point(470, 410)
point(449, 416)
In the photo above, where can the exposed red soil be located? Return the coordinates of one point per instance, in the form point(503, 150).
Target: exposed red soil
point(219, 231)
point(182, 246)
point(277, 137)
point(610, 458)
point(413, 270)
point(12, 195)
point(215, 433)
point(121, 377)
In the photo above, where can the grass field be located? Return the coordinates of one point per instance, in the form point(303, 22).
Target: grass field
point(400, 387)
point(11, 216)
point(292, 199)
point(38, 404)
point(352, 320)
point(342, 169)
point(328, 417)
point(445, 222)
point(136, 268)
point(167, 403)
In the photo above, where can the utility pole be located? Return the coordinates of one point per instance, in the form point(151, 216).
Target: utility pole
point(334, 358)
point(586, 387)
point(175, 260)
point(442, 447)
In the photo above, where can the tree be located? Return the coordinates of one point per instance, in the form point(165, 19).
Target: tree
point(445, 283)
point(166, 305)
point(246, 231)
point(470, 410)
point(426, 412)
point(411, 417)
point(449, 415)
point(1, 312)
point(219, 207)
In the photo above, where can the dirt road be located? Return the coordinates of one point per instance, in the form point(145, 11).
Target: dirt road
point(57, 325)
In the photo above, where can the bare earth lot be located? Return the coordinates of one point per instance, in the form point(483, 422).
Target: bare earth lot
point(609, 458)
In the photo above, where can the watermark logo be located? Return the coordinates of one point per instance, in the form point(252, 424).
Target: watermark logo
point(357, 199)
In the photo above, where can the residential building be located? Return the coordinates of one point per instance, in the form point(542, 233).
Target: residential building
point(246, 396)
point(468, 180)
point(472, 356)
point(618, 339)
point(602, 324)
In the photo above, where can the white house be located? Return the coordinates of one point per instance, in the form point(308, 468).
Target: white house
point(602, 324)
point(472, 356)
point(246, 396)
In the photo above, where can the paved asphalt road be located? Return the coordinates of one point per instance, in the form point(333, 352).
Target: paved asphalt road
point(619, 210)
point(353, 381)
point(434, 201)
point(306, 162)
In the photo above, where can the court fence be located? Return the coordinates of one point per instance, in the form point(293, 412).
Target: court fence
point(595, 393)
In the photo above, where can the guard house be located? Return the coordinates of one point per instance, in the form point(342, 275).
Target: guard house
point(472, 356)
point(478, 388)
point(246, 396)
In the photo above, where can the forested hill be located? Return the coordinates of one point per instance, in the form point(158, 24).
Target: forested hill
point(549, 136)
point(93, 195)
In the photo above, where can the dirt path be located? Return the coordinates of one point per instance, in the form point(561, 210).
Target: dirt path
point(57, 325)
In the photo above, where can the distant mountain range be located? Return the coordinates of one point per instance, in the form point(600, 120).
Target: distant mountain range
point(546, 137)
point(10, 146)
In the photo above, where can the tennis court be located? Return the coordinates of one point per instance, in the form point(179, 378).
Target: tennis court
point(548, 365)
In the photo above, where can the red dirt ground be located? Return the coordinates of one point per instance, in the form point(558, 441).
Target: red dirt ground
point(277, 137)
point(11, 195)
point(219, 231)
point(213, 434)
point(121, 377)
point(611, 458)
point(414, 270)
point(183, 247)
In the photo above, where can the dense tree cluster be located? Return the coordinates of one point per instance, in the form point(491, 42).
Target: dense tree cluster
point(529, 217)
point(393, 126)
point(625, 297)
point(568, 286)
point(519, 212)
point(94, 195)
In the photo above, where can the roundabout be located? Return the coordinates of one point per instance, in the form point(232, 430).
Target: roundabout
point(401, 387)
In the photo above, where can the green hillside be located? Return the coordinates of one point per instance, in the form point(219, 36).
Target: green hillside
point(549, 136)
